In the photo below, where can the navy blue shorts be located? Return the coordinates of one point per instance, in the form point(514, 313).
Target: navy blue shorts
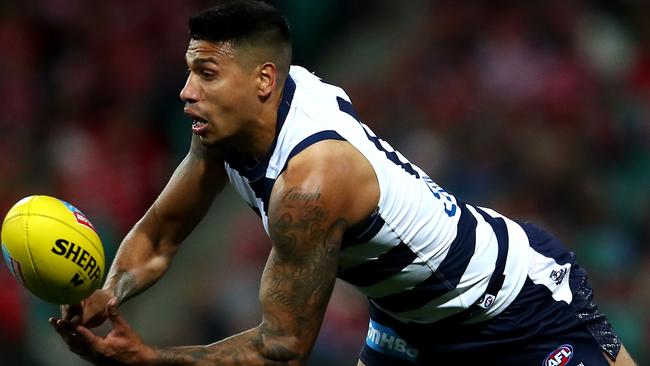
point(534, 330)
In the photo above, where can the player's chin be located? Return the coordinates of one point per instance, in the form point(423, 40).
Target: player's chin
point(209, 140)
point(213, 137)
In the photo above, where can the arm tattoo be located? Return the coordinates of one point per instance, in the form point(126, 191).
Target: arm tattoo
point(301, 273)
point(181, 355)
point(296, 286)
point(243, 349)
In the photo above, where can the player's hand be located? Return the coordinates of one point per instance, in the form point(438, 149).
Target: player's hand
point(76, 343)
point(121, 346)
point(91, 312)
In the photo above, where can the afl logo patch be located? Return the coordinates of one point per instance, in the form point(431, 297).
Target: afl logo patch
point(78, 215)
point(560, 357)
point(558, 276)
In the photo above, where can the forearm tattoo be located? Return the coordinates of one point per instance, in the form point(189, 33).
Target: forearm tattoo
point(296, 286)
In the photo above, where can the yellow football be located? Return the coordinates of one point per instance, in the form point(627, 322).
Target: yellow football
point(52, 249)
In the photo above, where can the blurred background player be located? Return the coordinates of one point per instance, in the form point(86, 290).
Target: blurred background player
point(573, 55)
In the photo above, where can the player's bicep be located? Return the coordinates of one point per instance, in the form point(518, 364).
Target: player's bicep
point(301, 270)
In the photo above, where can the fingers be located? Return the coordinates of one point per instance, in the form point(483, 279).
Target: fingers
point(66, 329)
point(114, 316)
point(72, 312)
point(91, 312)
point(121, 344)
point(95, 309)
point(75, 337)
point(111, 307)
point(89, 336)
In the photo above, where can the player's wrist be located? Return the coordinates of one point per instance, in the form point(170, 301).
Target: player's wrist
point(121, 286)
point(158, 356)
point(110, 284)
point(108, 293)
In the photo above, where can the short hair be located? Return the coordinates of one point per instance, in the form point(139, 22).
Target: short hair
point(244, 23)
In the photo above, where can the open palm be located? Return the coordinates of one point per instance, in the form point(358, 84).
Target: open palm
point(121, 346)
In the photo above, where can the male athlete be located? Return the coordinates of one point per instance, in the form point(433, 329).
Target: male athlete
point(446, 281)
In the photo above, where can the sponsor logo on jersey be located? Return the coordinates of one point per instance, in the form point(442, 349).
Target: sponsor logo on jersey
point(560, 357)
point(558, 276)
point(79, 216)
point(384, 340)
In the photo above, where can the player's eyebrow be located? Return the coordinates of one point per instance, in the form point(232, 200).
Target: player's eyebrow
point(205, 59)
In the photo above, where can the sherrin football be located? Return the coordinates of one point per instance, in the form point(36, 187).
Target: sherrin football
point(52, 249)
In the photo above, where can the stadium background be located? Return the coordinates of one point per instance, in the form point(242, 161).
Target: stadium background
point(539, 110)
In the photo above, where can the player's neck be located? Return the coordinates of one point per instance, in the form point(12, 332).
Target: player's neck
point(260, 136)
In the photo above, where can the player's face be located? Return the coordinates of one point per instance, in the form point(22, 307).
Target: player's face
point(219, 93)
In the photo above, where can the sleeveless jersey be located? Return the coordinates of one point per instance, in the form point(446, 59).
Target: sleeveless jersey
point(423, 256)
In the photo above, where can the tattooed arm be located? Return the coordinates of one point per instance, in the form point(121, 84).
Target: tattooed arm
point(326, 188)
point(147, 251)
point(296, 286)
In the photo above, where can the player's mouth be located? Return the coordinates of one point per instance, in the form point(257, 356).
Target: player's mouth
point(199, 126)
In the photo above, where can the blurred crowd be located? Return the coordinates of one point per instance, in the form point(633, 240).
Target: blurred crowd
point(540, 110)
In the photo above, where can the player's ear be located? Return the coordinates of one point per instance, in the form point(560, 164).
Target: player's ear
point(267, 79)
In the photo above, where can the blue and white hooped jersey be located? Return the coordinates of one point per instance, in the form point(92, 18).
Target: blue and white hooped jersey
point(423, 256)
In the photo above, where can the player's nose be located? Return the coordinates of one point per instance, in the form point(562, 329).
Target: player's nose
point(189, 93)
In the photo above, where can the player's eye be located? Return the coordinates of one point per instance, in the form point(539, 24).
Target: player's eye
point(207, 75)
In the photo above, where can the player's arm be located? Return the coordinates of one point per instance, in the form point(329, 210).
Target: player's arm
point(147, 250)
point(312, 204)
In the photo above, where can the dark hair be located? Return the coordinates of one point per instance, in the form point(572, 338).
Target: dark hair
point(242, 22)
